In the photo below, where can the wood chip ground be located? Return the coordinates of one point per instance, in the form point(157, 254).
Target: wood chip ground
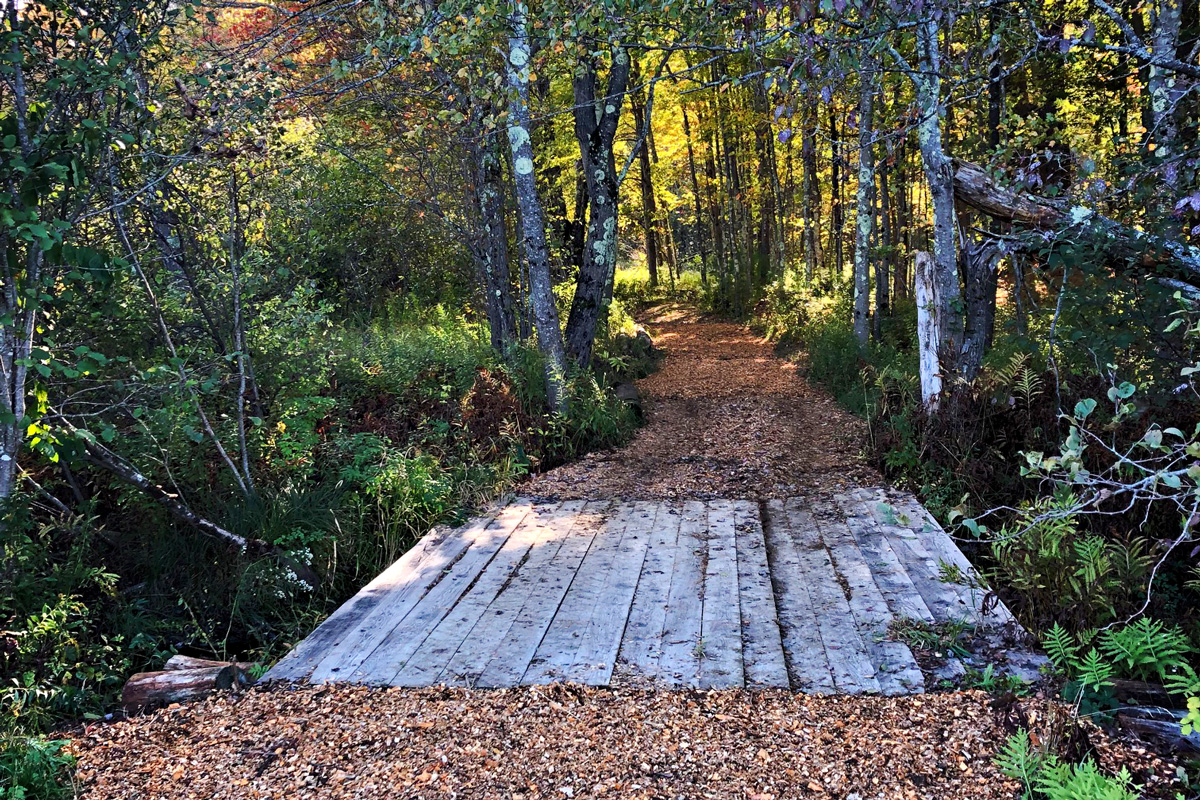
point(736, 542)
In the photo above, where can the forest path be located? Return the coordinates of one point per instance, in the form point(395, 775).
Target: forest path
point(738, 541)
point(725, 417)
point(792, 579)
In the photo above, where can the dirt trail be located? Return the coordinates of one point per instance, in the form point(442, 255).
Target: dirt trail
point(725, 418)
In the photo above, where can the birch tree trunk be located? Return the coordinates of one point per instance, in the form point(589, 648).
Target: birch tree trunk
point(864, 202)
point(939, 175)
point(533, 218)
point(928, 331)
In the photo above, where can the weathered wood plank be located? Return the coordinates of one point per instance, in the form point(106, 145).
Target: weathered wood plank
point(679, 661)
point(721, 622)
point(924, 546)
point(597, 648)
point(895, 668)
point(808, 667)
point(945, 601)
point(845, 650)
point(556, 653)
point(401, 635)
point(433, 654)
point(403, 590)
point(641, 647)
point(894, 582)
point(478, 645)
point(399, 582)
point(507, 664)
point(762, 642)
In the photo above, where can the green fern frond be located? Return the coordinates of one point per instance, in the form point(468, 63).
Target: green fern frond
point(1062, 649)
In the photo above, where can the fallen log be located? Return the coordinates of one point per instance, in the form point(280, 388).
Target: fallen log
point(974, 188)
point(1160, 727)
point(181, 662)
point(149, 689)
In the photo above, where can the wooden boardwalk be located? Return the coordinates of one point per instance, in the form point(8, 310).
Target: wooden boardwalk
point(797, 593)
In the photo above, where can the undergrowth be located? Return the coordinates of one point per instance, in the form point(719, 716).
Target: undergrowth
point(385, 431)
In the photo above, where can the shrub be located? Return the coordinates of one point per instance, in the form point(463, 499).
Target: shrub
point(1043, 775)
point(1055, 573)
point(34, 768)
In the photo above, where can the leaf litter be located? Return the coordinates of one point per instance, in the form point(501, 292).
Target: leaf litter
point(565, 741)
point(725, 417)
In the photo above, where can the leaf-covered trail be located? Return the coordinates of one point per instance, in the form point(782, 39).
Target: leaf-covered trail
point(561, 742)
point(725, 418)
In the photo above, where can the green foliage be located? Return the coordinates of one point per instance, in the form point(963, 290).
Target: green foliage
point(1021, 761)
point(632, 288)
point(1144, 650)
point(1043, 775)
point(1147, 649)
point(987, 680)
point(34, 768)
point(951, 638)
point(68, 637)
point(1060, 574)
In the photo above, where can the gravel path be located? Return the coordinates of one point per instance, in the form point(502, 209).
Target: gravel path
point(725, 417)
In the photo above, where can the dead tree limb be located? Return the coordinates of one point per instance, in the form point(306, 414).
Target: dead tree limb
point(973, 187)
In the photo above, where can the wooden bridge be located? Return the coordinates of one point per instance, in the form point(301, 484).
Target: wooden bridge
point(798, 593)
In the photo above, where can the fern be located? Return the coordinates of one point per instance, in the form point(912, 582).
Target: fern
point(1147, 648)
point(1061, 648)
point(1019, 760)
point(1043, 775)
point(1058, 781)
point(1094, 671)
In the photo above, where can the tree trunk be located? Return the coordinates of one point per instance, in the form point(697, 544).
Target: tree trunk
point(765, 233)
point(939, 175)
point(533, 220)
point(864, 196)
point(837, 216)
point(1166, 91)
point(704, 251)
point(980, 259)
point(812, 194)
point(973, 187)
point(637, 106)
point(493, 248)
point(596, 120)
point(146, 689)
point(887, 264)
point(928, 331)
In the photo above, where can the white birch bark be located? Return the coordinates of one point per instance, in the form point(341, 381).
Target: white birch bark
point(939, 174)
point(864, 200)
point(930, 369)
point(533, 218)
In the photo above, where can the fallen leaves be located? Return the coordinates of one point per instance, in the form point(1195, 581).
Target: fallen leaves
point(725, 418)
point(556, 742)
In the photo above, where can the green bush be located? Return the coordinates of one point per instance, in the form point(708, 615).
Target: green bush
point(34, 768)
point(1043, 775)
point(69, 638)
point(631, 286)
point(1056, 573)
